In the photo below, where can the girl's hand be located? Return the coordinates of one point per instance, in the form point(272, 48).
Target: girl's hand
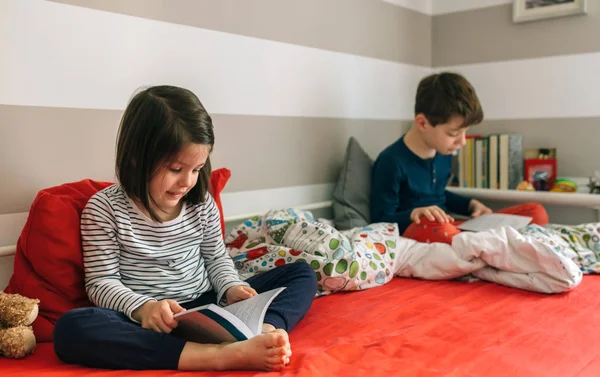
point(476, 208)
point(239, 293)
point(158, 315)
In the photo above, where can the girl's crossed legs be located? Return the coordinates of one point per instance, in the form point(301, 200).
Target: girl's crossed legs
point(103, 338)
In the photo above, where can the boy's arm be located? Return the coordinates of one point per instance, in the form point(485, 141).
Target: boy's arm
point(385, 187)
point(458, 204)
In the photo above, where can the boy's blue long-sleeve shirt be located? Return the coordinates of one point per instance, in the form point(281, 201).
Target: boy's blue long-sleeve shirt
point(403, 181)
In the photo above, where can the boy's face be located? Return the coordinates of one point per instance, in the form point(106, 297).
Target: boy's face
point(445, 138)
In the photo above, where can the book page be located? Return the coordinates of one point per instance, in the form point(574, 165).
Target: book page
point(186, 312)
point(214, 324)
point(493, 221)
point(252, 311)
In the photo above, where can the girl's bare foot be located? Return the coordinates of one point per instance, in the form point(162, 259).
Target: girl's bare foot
point(267, 328)
point(270, 351)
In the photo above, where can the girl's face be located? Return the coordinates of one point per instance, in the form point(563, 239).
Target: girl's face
point(172, 182)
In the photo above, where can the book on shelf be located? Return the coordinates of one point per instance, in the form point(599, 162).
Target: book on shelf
point(493, 161)
point(510, 150)
point(217, 324)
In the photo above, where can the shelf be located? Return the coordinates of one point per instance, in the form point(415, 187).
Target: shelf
point(543, 197)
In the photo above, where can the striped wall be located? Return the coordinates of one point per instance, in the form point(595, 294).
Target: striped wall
point(287, 82)
point(286, 88)
point(536, 78)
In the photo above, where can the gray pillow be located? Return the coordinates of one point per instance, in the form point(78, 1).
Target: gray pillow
point(351, 197)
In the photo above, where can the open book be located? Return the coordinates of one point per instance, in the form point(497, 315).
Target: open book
point(215, 324)
point(495, 220)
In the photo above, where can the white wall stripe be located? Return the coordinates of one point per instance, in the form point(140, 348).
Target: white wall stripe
point(452, 6)
point(421, 6)
point(436, 7)
point(58, 55)
point(551, 87)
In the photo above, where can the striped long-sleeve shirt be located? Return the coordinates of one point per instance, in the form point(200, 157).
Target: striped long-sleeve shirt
point(130, 259)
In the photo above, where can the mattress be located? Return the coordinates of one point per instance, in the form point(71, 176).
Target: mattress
point(419, 328)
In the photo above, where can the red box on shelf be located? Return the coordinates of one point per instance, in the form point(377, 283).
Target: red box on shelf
point(541, 173)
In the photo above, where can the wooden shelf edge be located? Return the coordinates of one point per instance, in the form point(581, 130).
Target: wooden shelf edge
point(543, 197)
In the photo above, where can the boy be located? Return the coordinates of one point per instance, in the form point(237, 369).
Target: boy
point(410, 176)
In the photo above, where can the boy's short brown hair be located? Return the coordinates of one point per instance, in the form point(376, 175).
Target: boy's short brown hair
point(443, 95)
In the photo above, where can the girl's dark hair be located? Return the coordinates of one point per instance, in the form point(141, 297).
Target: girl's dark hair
point(157, 124)
point(443, 95)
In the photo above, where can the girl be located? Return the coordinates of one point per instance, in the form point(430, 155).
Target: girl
point(152, 247)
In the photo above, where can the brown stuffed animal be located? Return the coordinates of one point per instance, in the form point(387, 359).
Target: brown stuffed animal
point(17, 313)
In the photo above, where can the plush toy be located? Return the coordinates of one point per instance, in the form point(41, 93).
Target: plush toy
point(17, 313)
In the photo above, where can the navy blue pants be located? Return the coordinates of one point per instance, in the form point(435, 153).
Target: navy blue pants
point(103, 338)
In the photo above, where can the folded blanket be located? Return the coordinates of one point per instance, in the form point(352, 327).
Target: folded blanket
point(533, 258)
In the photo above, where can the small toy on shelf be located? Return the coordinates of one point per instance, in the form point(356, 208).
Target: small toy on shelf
point(564, 185)
point(594, 184)
point(545, 153)
point(541, 167)
point(525, 186)
point(541, 181)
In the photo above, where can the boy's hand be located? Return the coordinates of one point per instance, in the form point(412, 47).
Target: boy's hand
point(431, 213)
point(239, 293)
point(158, 315)
point(476, 208)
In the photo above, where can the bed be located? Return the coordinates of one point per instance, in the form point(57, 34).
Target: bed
point(419, 328)
point(405, 327)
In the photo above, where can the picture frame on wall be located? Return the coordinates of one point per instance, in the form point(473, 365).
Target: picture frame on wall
point(533, 10)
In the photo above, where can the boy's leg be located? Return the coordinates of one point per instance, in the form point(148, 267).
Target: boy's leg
point(103, 338)
point(432, 231)
point(534, 210)
point(291, 305)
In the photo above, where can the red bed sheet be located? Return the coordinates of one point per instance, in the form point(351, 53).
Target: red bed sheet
point(418, 328)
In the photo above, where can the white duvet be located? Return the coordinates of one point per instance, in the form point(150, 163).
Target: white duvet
point(362, 258)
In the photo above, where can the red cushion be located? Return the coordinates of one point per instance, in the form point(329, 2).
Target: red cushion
point(218, 180)
point(49, 264)
point(432, 231)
